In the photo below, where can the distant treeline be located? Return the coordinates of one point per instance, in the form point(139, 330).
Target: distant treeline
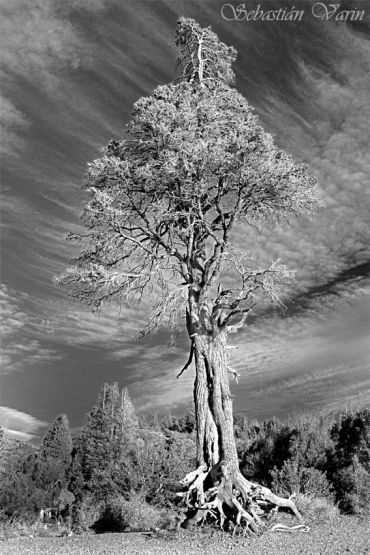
point(123, 470)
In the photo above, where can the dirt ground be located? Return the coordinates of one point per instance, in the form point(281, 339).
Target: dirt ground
point(342, 536)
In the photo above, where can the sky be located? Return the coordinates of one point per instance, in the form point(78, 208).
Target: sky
point(71, 72)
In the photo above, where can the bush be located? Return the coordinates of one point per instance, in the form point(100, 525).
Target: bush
point(352, 485)
point(20, 526)
point(134, 515)
point(292, 478)
point(154, 467)
point(351, 434)
point(348, 462)
point(316, 509)
point(268, 446)
point(86, 513)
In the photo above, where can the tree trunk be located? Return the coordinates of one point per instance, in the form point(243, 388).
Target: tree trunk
point(217, 489)
point(213, 403)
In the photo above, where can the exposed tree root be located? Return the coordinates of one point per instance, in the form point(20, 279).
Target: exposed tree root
point(232, 502)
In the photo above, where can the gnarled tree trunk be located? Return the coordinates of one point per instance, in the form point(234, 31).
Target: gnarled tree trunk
point(213, 403)
point(217, 489)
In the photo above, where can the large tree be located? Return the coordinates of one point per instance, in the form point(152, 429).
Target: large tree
point(163, 207)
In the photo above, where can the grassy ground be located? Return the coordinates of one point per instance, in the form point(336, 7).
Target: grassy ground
point(341, 536)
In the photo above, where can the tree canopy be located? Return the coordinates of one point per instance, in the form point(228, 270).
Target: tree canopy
point(163, 202)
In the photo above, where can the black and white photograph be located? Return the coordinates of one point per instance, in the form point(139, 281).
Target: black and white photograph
point(184, 285)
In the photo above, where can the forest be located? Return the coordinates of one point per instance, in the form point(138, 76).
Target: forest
point(123, 472)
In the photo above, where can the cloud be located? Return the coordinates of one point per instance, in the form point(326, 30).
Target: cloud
point(309, 359)
point(20, 349)
point(19, 425)
point(322, 119)
point(71, 74)
point(40, 43)
point(11, 122)
point(37, 44)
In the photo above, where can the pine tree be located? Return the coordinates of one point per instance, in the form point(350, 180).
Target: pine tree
point(162, 211)
point(107, 436)
point(55, 453)
point(57, 443)
point(130, 421)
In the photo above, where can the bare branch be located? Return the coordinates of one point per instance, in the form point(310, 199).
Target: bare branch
point(234, 373)
point(240, 324)
point(190, 359)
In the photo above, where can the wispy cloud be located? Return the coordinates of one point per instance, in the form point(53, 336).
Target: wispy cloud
point(20, 349)
point(40, 43)
point(314, 357)
point(71, 73)
point(11, 122)
point(19, 425)
point(334, 139)
point(36, 46)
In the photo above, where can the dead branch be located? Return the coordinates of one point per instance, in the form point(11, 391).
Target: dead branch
point(234, 372)
point(190, 359)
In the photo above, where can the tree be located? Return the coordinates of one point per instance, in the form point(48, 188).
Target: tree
point(57, 443)
point(106, 438)
point(21, 489)
point(55, 452)
point(163, 206)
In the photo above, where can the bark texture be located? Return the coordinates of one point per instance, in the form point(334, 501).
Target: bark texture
point(216, 490)
point(213, 402)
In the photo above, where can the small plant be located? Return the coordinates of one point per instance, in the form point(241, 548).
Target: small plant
point(292, 478)
point(352, 484)
point(19, 527)
point(86, 513)
point(348, 463)
point(316, 509)
point(134, 515)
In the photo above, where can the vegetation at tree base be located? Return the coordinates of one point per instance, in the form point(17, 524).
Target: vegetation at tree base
point(160, 221)
point(123, 473)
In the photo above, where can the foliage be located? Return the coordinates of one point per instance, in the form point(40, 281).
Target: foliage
point(163, 202)
point(261, 447)
point(182, 424)
point(86, 512)
point(352, 486)
point(351, 435)
point(212, 65)
point(316, 509)
point(55, 455)
point(134, 515)
point(320, 454)
point(162, 207)
point(21, 490)
point(18, 526)
point(293, 478)
point(349, 460)
point(57, 443)
point(108, 435)
point(125, 476)
point(303, 439)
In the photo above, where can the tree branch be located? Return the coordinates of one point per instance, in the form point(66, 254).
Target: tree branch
point(190, 359)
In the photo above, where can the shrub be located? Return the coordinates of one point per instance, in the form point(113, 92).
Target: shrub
point(352, 485)
point(348, 462)
point(351, 435)
point(86, 513)
point(292, 478)
point(154, 467)
point(19, 526)
point(268, 446)
point(316, 509)
point(135, 514)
